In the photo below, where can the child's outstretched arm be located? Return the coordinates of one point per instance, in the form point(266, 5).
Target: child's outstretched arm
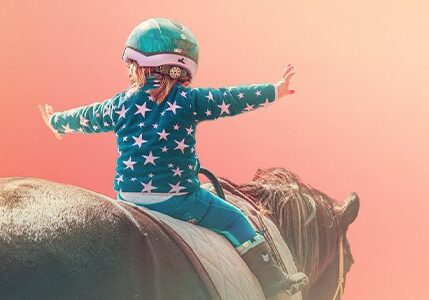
point(93, 118)
point(212, 103)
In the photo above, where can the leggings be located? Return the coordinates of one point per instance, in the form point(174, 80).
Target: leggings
point(206, 209)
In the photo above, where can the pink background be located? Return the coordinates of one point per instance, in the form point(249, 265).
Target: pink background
point(357, 122)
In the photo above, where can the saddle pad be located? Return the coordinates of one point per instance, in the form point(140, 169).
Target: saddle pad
point(246, 208)
point(228, 272)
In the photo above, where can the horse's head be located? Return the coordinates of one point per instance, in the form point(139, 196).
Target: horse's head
point(331, 278)
point(313, 225)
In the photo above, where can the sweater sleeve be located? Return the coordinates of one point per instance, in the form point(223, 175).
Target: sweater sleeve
point(94, 118)
point(212, 103)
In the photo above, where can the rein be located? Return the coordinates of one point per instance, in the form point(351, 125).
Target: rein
point(340, 271)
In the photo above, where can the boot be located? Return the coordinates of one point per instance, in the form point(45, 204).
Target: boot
point(272, 279)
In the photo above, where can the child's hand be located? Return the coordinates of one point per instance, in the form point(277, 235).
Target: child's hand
point(47, 112)
point(283, 84)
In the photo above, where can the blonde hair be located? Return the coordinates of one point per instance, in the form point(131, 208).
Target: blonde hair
point(137, 75)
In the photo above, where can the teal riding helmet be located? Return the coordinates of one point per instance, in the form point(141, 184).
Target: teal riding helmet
point(164, 44)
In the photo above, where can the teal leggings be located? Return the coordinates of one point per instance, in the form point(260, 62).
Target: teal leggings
point(207, 209)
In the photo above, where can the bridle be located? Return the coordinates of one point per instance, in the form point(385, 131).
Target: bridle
point(339, 290)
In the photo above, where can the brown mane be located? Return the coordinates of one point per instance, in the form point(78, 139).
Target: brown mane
point(291, 203)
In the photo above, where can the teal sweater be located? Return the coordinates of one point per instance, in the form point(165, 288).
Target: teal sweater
point(156, 142)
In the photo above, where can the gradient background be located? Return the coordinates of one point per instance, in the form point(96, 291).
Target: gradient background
point(357, 122)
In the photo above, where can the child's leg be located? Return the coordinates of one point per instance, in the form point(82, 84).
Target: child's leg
point(213, 212)
point(206, 209)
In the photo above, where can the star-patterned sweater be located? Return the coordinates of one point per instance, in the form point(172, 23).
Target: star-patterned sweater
point(156, 142)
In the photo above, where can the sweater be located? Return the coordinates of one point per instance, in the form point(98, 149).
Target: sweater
point(156, 142)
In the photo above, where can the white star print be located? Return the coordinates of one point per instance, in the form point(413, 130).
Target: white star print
point(139, 140)
point(248, 107)
point(122, 112)
point(181, 145)
point(83, 121)
point(163, 135)
point(150, 159)
point(164, 149)
point(120, 179)
point(258, 93)
point(170, 165)
point(163, 113)
point(189, 180)
point(240, 95)
point(210, 96)
point(151, 175)
point(190, 167)
point(95, 127)
point(141, 125)
point(183, 94)
point(125, 139)
point(67, 128)
point(189, 130)
point(266, 103)
point(176, 187)
point(106, 124)
point(208, 112)
point(129, 163)
point(176, 127)
point(224, 108)
point(177, 172)
point(148, 187)
point(155, 126)
point(173, 107)
point(142, 109)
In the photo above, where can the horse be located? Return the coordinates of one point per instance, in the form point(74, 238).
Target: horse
point(313, 225)
point(58, 241)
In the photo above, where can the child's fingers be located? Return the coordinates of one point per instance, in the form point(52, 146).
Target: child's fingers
point(49, 108)
point(289, 76)
point(43, 111)
point(41, 108)
point(287, 70)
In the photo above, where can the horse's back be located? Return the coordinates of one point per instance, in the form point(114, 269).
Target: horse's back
point(59, 241)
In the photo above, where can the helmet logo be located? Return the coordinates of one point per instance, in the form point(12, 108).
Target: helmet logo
point(181, 60)
point(175, 72)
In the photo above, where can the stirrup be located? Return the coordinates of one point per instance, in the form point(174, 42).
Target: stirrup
point(298, 281)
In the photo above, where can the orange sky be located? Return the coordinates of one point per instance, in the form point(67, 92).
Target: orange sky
point(357, 122)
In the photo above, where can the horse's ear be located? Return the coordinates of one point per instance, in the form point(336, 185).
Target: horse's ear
point(348, 210)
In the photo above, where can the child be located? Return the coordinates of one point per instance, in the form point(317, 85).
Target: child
point(155, 122)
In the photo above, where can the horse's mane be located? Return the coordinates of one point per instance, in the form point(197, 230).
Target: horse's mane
point(291, 203)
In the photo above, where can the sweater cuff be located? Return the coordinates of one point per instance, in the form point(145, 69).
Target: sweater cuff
point(275, 92)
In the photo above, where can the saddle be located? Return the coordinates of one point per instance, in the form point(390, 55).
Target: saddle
point(223, 267)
